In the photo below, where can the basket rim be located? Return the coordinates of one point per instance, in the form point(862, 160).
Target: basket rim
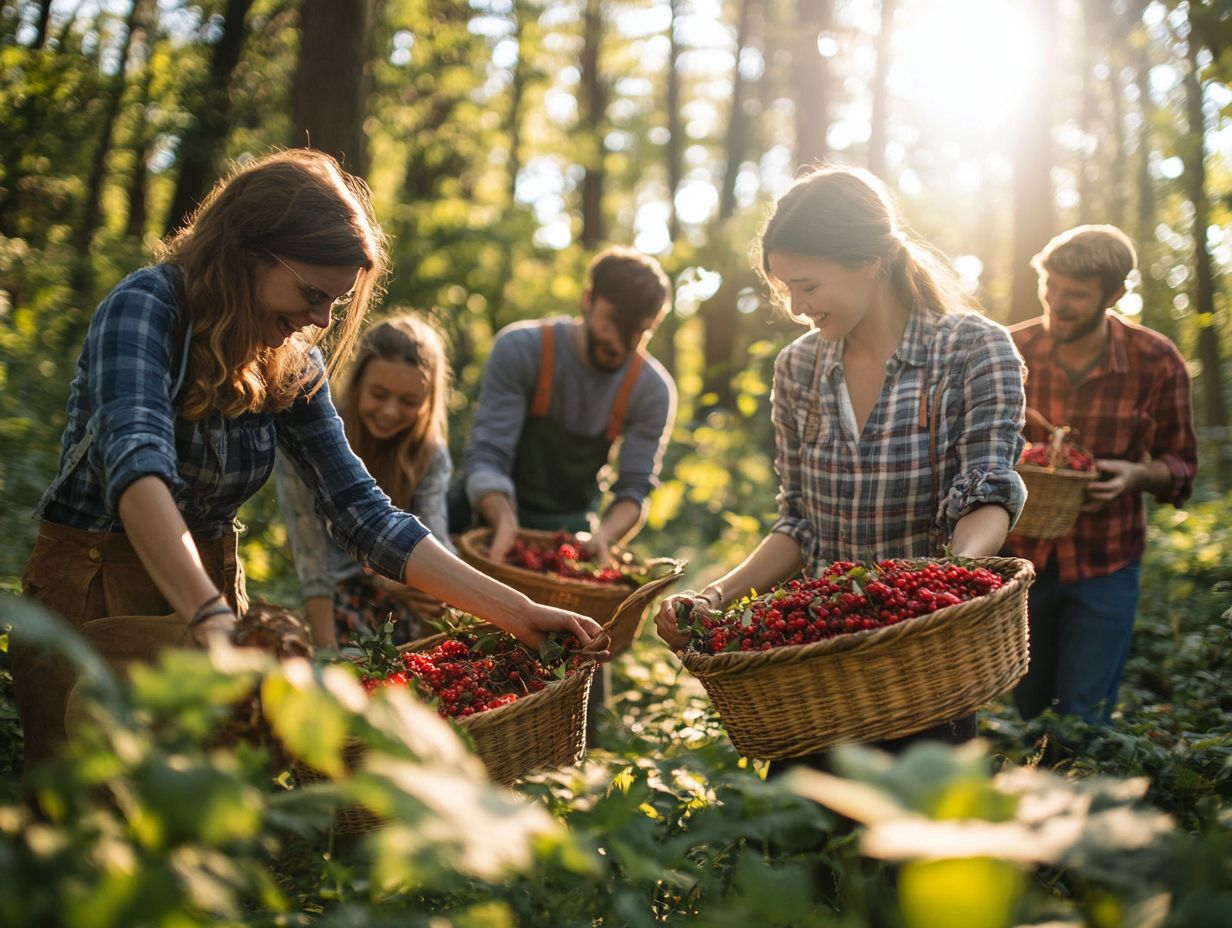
point(1065, 473)
point(731, 663)
point(469, 539)
point(520, 705)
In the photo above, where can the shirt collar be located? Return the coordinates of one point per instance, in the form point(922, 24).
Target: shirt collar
point(912, 348)
point(917, 336)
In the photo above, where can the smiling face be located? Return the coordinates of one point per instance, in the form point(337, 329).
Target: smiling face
point(392, 394)
point(292, 295)
point(1073, 306)
point(831, 295)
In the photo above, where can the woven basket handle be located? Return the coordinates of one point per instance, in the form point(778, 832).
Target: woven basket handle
point(630, 611)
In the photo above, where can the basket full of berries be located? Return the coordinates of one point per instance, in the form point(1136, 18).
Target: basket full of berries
point(1056, 473)
point(523, 710)
point(861, 652)
point(554, 568)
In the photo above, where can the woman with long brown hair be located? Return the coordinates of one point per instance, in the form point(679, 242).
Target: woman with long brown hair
point(192, 372)
point(393, 405)
point(898, 416)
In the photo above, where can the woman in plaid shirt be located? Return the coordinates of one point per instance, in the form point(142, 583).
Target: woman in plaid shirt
point(893, 354)
point(192, 372)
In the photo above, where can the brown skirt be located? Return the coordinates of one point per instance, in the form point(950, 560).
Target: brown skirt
point(82, 576)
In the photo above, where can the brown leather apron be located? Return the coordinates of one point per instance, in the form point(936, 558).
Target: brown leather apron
point(81, 576)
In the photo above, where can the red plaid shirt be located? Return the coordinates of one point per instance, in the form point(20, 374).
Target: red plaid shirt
point(1134, 404)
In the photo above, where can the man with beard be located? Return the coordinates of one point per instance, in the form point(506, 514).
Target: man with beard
point(557, 394)
point(1125, 390)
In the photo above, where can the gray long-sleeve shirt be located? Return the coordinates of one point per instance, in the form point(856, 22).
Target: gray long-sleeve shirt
point(582, 401)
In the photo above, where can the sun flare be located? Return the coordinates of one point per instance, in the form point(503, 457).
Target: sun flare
point(970, 64)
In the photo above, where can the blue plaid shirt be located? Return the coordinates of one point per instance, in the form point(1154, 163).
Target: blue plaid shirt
point(122, 405)
point(849, 496)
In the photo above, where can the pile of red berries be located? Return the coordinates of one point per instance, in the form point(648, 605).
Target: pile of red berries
point(472, 673)
point(1067, 458)
point(846, 598)
point(564, 556)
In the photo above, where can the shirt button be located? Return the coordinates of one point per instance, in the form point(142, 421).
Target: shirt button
point(96, 554)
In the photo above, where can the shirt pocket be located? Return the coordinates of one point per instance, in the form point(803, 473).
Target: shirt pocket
point(812, 420)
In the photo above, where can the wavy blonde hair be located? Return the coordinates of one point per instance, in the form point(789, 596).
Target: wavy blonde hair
point(398, 463)
point(847, 215)
point(296, 204)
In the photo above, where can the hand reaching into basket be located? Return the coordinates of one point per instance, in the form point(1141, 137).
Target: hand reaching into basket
point(666, 618)
point(539, 620)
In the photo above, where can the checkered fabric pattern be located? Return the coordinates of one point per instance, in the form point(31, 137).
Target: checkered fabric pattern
point(122, 399)
point(1135, 404)
point(873, 495)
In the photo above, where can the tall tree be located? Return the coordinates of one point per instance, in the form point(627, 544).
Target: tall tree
point(1193, 153)
point(42, 19)
point(673, 157)
point(812, 80)
point(202, 143)
point(91, 208)
point(881, 96)
point(142, 133)
point(1033, 213)
point(330, 91)
point(720, 316)
point(594, 97)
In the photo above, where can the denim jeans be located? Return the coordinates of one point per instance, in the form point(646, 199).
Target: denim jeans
point(1080, 635)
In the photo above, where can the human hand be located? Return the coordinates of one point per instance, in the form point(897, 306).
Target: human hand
point(666, 622)
point(218, 624)
point(504, 534)
point(538, 620)
point(1116, 478)
point(596, 547)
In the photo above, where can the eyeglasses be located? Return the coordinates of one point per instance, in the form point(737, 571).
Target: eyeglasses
point(315, 295)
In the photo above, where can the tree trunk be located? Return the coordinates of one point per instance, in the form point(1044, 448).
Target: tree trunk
point(202, 142)
point(41, 22)
point(594, 107)
point(737, 139)
point(1033, 215)
point(1214, 410)
point(719, 315)
point(92, 207)
point(1120, 156)
point(812, 80)
point(513, 166)
point(142, 140)
point(673, 155)
point(881, 97)
point(329, 94)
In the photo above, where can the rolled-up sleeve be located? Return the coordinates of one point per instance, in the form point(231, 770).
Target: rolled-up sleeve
point(358, 515)
point(783, 401)
point(989, 431)
point(130, 359)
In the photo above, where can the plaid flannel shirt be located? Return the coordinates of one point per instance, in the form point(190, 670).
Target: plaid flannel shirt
point(874, 494)
point(1135, 404)
point(122, 402)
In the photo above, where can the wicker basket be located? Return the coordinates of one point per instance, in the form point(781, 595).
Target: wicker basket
point(869, 685)
point(615, 605)
point(543, 729)
point(1054, 498)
